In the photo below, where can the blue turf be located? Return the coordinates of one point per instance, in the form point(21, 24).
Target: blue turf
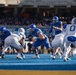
point(43, 63)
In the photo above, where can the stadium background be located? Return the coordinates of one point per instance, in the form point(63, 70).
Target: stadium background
point(18, 13)
point(15, 13)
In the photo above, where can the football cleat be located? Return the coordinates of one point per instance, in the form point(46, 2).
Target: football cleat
point(2, 56)
point(19, 56)
point(37, 56)
point(54, 57)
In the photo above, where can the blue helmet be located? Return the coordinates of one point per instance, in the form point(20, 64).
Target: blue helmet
point(3, 28)
point(33, 26)
point(74, 21)
point(56, 18)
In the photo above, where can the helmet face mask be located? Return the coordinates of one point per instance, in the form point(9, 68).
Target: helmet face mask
point(73, 21)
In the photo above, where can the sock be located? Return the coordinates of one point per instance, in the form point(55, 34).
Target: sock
point(36, 52)
point(0, 53)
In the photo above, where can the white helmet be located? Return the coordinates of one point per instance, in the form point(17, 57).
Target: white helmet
point(21, 34)
point(74, 21)
point(22, 30)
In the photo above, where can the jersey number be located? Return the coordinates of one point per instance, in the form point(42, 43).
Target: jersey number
point(72, 28)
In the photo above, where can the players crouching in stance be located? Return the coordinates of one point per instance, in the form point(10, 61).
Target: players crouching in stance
point(17, 41)
point(70, 38)
point(4, 33)
point(41, 39)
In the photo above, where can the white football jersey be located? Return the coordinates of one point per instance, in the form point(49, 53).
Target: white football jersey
point(70, 30)
point(18, 36)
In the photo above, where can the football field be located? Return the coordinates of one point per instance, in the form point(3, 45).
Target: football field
point(36, 66)
point(45, 62)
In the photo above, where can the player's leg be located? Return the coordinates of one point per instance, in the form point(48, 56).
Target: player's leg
point(20, 54)
point(57, 51)
point(0, 51)
point(47, 44)
point(5, 47)
point(1, 45)
point(68, 41)
point(19, 49)
point(67, 50)
point(35, 45)
point(73, 51)
point(56, 44)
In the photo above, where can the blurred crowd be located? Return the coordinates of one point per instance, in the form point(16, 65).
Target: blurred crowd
point(25, 19)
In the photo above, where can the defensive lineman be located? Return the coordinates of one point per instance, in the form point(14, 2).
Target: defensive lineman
point(16, 41)
point(70, 38)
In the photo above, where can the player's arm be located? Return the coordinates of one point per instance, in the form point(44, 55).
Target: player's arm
point(66, 31)
point(41, 36)
point(22, 41)
point(58, 28)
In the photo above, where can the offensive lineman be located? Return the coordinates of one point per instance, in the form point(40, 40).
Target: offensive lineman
point(41, 39)
point(4, 33)
point(58, 43)
point(55, 26)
